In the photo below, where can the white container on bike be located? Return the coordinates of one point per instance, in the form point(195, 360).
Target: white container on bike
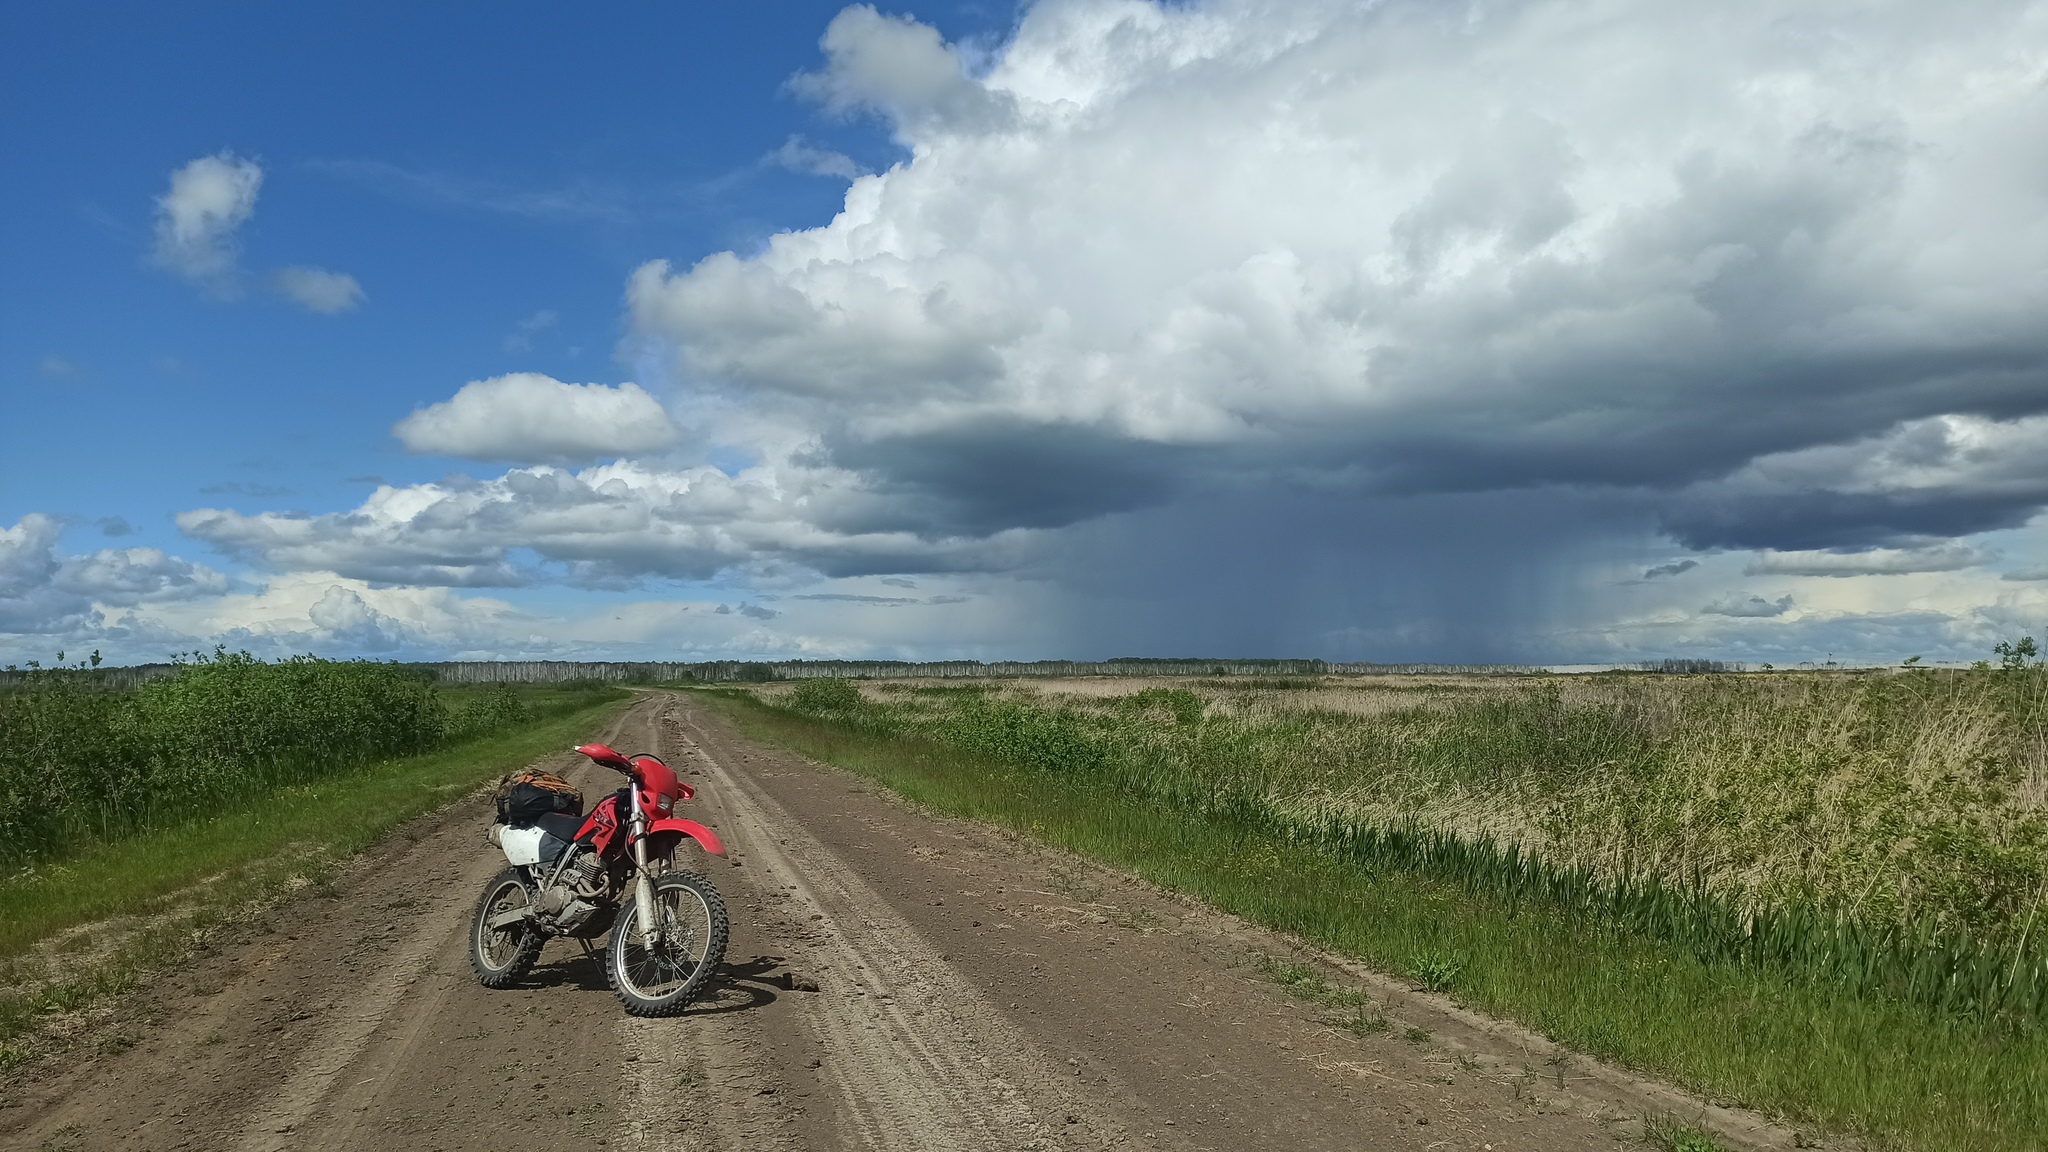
point(521, 845)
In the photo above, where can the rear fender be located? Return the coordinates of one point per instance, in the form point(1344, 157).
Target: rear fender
point(664, 835)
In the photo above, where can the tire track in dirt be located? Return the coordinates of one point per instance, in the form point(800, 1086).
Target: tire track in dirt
point(313, 1084)
point(694, 1082)
point(275, 1126)
point(919, 1059)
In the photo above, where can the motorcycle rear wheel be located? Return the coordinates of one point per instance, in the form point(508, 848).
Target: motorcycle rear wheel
point(661, 980)
point(501, 956)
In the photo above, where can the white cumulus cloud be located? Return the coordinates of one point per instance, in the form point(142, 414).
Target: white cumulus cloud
point(347, 618)
point(1560, 242)
point(892, 65)
point(127, 576)
point(318, 290)
point(799, 156)
point(611, 524)
point(529, 418)
point(28, 564)
point(43, 593)
point(196, 220)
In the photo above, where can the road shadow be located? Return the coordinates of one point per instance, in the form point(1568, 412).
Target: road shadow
point(578, 970)
point(739, 986)
point(742, 986)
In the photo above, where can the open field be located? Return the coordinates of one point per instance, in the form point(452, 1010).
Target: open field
point(1436, 842)
point(1812, 894)
point(973, 992)
point(1918, 801)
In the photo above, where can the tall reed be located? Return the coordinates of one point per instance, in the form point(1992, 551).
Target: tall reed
point(1885, 835)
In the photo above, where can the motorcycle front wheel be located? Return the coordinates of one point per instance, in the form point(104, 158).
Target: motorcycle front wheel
point(501, 955)
point(659, 977)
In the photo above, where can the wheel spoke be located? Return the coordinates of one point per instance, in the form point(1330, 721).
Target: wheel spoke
point(500, 945)
point(671, 963)
point(503, 943)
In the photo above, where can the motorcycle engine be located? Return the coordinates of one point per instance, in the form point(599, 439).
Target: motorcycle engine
point(571, 901)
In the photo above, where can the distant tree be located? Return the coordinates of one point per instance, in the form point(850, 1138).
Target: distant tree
point(2016, 656)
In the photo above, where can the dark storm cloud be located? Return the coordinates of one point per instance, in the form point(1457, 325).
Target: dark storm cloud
point(1675, 568)
point(983, 479)
point(1824, 519)
point(1455, 577)
point(1917, 481)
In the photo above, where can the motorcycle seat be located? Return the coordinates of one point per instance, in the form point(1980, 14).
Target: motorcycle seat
point(561, 825)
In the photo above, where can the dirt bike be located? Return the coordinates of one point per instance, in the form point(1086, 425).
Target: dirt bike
point(578, 876)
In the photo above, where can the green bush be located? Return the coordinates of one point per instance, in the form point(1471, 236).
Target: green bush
point(495, 708)
point(825, 694)
point(81, 761)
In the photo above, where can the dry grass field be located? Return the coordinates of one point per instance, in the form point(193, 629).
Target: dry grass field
point(1815, 892)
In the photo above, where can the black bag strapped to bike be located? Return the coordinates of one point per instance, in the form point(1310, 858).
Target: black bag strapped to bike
point(525, 796)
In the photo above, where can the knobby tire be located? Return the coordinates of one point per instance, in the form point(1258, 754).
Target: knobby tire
point(630, 968)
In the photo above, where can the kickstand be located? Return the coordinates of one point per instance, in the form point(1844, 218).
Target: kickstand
point(588, 951)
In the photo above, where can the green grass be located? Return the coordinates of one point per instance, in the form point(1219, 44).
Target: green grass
point(1897, 1073)
point(182, 881)
point(1675, 1137)
point(1882, 834)
point(81, 759)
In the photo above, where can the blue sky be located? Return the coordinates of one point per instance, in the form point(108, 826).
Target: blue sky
point(1567, 332)
point(472, 170)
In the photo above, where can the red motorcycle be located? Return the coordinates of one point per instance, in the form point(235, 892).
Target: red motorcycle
point(578, 876)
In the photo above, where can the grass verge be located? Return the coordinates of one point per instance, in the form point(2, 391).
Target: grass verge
point(1899, 1075)
point(91, 925)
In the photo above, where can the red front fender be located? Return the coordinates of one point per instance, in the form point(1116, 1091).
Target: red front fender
point(664, 835)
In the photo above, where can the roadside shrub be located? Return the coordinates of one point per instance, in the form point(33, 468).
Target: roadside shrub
point(498, 707)
point(825, 694)
point(79, 759)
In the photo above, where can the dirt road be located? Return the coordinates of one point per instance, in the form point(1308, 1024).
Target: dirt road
point(972, 992)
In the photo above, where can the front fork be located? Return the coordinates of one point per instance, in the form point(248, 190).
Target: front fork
point(643, 884)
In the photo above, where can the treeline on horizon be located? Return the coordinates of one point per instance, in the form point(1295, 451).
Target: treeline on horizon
point(458, 672)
